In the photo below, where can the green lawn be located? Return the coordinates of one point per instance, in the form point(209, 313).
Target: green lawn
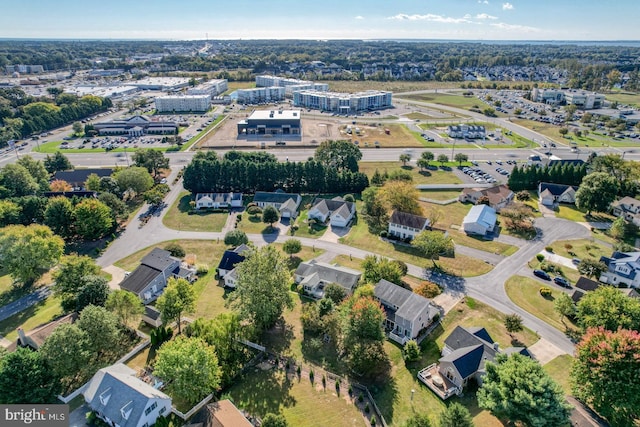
point(572, 213)
point(559, 369)
point(624, 98)
point(440, 195)
point(253, 224)
point(28, 319)
point(206, 252)
point(452, 214)
point(179, 217)
point(593, 139)
point(581, 248)
point(348, 261)
point(524, 292)
point(304, 230)
point(438, 176)
point(475, 242)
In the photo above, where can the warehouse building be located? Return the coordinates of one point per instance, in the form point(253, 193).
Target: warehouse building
point(271, 122)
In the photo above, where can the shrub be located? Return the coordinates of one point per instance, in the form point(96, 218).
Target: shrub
point(384, 234)
point(568, 246)
point(411, 351)
point(360, 398)
point(160, 335)
point(350, 391)
point(548, 249)
point(428, 289)
point(298, 370)
point(523, 195)
point(324, 380)
point(373, 421)
point(175, 250)
point(338, 385)
point(545, 292)
point(311, 375)
point(202, 269)
point(367, 409)
point(540, 257)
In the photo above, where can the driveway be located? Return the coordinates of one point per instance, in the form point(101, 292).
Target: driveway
point(78, 418)
point(117, 276)
point(559, 259)
point(544, 351)
point(333, 234)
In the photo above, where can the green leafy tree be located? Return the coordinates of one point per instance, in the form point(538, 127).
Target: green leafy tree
point(26, 378)
point(262, 290)
point(136, 179)
point(596, 192)
point(118, 207)
point(190, 366)
point(404, 158)
point(455, 415)
point(377, 268)
point(274, 420)
point(94, 219)
point(37, 170)
point(126, 306)
point(94, 291)
point(69, 277)
point(605, 374)
point(363, 321)
point(461, 158)
point(411, 351)
point(59, 216)
point(154, 196)
point(93, 182)
point(152, 160)
point(432, 244)
point(418, 420)
point(101, 327)
point(292, 247)
point(443, 158)
point(26, 252)
point(513, 323)
point(591, 267)
point(57, 162)
point(609, 308)
point(77, 128)
point(236, 238)
point(400, 195)
point(428, 156)
point(66, 351)
point(564, 306)
point(335, 293)
point(516, 388)
point(175, 249)
point(374, 212)
point(177, 299)
point(9, 213)
point(617, 229)
point(16, 181)
point(339, 155)
point(270, 215)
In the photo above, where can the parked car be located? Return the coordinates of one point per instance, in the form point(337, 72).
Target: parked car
point(541, 274)
point(558, 280)
point(576, 261)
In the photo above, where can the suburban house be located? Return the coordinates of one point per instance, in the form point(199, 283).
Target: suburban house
point(218, 200)
point(77, 177)
point(36, 337)
point(227, 266)
point(465, 352)
point(152, 316)
point(222, 413)
point(286, 203)
point(584, 285)
point(407, 312)
point(623, 268)
point(121, 399)
point(406, 226)
point(498, 196)
point(150, 278)
point(466, 131)
point(339, 212)
point(315, 275)
point(550, 194)
point(481, 219)
point(627, 208)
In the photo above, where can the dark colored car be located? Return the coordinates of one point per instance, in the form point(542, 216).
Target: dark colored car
point(562, 282)
point(542, 274)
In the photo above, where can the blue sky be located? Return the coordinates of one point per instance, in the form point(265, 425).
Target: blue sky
point(328, 19)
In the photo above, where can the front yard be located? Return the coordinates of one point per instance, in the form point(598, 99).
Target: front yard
point(180, 217)
point(581, 249)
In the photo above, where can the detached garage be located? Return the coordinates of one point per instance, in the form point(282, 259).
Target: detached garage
point(481, 220)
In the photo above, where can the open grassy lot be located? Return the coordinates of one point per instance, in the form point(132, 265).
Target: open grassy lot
point(475, 242)
point(572, 213)
point(581, 248)
point(206, 251)
point(525, 293)
point(627, 98)
point(559, 369)
point(348, 261)
point(438, 176)
point(419, 116)
point(452, 214)
point(451, 100)
point(36, 315)
point(179, 218)
point(251, 224)
point(592, 139)
point(440, 195)
point(398, 136)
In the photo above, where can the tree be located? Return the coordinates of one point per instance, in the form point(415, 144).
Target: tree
point(608, 308)
point(411, 351)
point(59, 216)
point(66, 351)
point(564, 306)
point(617, 229)
point(432, 244)
point(378, 268)
point(274, 420)
point(77, 128)
point(94, 291)
point(94, 219)
point(455, 415)
point(152, 160)
point(236, 238)
point(374, 211)
point(117, 206)
point(404, 158)
point(262, 290)
point(292, 246)
point(400, 195)
point(17, 181)
point(335, 293)
point(418, 420)
point(518, 389)
point(190, 365)
point(363, 321)
point(443, 158)
point(339, 155)
point(93, 182)
point(126, 306)
point(57, 162)
point(177, 299)
point(270, 215)
point(28, 251)
point(60, 185)
point(26, 378)
point(155, 195)
point(563, 131)
point(427, 156)
point(596, 192)
point(101, 327)
point(513, 323)
point(37, 170)
point(605, 374)
point(135, 179)
point(175, 250)
point(69, 277)
point(591, 267)
point(9, 213)
point(461, 158)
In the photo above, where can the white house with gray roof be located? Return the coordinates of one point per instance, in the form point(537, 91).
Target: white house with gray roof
point(315, 275)
point(218, 200)
point(407, 312)
point(286, 203)
point(404, 225)
point(123, 400)
point(337, 210)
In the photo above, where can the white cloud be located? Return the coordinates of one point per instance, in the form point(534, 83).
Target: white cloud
point(359, 17)
point(516, 28)
point(483, 1)
point(485, 16)
point(507, 6)
point(430, 17)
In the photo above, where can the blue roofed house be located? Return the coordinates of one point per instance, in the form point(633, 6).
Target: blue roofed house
point(623, 268)
point(123, 400)
point(481, 219)
point(407, 312)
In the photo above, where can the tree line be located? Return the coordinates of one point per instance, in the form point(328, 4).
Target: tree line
point(528, 177)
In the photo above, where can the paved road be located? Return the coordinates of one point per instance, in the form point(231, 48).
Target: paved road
point(25, 302)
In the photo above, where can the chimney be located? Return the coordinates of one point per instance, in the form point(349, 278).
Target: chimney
point(22, 338)
point(495, 346)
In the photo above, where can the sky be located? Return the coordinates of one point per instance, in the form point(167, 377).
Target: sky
point(327, 19)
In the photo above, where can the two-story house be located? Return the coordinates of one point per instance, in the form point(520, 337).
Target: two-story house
point(123, 400)
point(623, 268)
point(407, 312)
point(228, 262)
point(404, 225)
point(498, 196)
point(627, 208)
point(337, 210)
point(286, 203)
point(314, 276)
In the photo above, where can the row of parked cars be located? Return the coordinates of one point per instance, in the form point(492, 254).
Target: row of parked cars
point(559, 280)
point(479, 176)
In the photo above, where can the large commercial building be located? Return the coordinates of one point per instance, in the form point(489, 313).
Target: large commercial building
point(24, 69)
point(183, 103)
point(583, 99)
point(547, 96)
point(271, 122)
point(211, 88)
point(343, 103)
point(136, 126)
point(161, 83)
point(102, 91)
point(260, 94)
point(290, 85)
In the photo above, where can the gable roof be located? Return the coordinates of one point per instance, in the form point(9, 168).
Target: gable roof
point(220, 414)
point(462, 337)
point(331, 205)
point(344, 211)
point(587, 284)
point(124, 389)
point(36, 337)
point(139, 279)
point(343, 276)
point(555, 189)
point(481, 214)
point(466, 359)
point(275, 197)
point(81, 175)
point(151, 312)
point(408, 220)
point(159, 259)
point(230, 259)
point(409, 303)
point(626, 201)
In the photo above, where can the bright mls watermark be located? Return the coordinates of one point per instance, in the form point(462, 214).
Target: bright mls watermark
point(34, 415)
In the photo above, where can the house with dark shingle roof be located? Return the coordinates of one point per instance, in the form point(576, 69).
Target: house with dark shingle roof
point(37, 336)
point(337, 210)
point(315, 275)
point(407, 312)
point(498, 196)
point(286, 203)
point(549, 194)
point(228, 262)
point(77, 177)
point(150, 278)
point(404, 225)
point(584, 285)
point(121, 399)
point(218, 200)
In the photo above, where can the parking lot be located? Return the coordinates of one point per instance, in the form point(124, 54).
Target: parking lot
point(487, 172)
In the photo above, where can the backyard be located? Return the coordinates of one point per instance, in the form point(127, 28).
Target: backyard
point(430, 176)
point(180, 216)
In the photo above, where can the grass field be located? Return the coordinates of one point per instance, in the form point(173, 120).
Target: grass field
point(593, 140)
point(178, 217)
point(626, 98)
point(484, 245)
point(581, 249)
point(207, 252)
point(36, 315)
point(572, 213)
point(524, 292)
point(559, 369)
point(458, 101)
point(419, 177)
point(348, 261)
point(253, 225)
point(440, 195)
point(304, 230)
point(398, 136)
point(452, 214)
point(419, 116)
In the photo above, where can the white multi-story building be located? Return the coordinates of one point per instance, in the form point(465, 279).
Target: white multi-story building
point(583, 99)
point(290, 85)
point(211, 88)
point(183, 103)
point(260, 94)
point(343, 103)
point(547, 96)
point(24, 69)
